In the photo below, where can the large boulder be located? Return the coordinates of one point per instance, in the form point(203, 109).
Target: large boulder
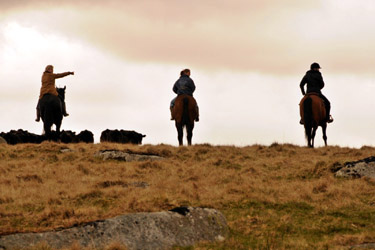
point(356, 169)
point(121, 136)
point(183, 226)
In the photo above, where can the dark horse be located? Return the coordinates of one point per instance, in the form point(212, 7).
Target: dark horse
point(184, 113)
point(313, 113)
point(51, 111)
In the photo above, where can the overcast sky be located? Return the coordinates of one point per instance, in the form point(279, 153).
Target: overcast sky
point(247, 58)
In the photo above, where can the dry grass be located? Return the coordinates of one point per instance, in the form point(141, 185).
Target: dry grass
point(276, 197)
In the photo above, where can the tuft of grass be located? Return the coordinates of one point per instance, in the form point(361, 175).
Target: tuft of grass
point(274, 197)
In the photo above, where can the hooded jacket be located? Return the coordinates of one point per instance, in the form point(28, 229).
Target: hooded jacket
point(48, 82)
point(314, 81)
point(184, 85)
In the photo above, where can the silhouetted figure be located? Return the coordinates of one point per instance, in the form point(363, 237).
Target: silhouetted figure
point(315, 83)
point(184, 86)
point(48, 87)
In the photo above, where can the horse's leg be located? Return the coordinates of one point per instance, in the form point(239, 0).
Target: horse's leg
point(189, 129)
point(47, 130)
point(180, 133)
point(58, 126)
point(324, 129)
point(308, 134)
point(313, 136)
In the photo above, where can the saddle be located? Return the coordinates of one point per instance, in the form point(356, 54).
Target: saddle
point(309, 95)
point(177, 110)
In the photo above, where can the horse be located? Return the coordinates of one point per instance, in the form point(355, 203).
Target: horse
point(313, 113)
point(51, 111)
point(184, 113)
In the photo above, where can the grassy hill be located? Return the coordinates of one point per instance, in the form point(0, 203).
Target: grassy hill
point(276, 197)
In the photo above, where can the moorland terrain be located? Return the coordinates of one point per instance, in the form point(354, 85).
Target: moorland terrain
point(280, 196)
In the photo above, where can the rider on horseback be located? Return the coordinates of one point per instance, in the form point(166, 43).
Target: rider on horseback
point(184, 86)
point(315, 83)
point(48, 87)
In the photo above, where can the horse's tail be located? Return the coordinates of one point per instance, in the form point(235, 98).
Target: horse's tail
point(185, 113)
point(308, 116)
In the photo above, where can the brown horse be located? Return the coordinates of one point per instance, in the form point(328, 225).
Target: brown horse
point(313, 113)
point(184, 113)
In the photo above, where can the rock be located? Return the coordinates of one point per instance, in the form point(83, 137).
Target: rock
point(159, 230)
point(364, 246)
point(356, 169)
point(123, 156)
point(66, 150)
point(2, 140)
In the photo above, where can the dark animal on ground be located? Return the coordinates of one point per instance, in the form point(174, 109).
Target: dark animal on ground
point(121, 136)
point(313, 113)
point(67, 136)
point(86, 136)
point(71, 137)
point(21, 136)
point(185, 112)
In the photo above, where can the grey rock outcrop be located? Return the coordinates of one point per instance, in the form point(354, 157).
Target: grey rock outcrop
point(123, 156)
point(162, 230)
point(356, 169)
point(363, 246)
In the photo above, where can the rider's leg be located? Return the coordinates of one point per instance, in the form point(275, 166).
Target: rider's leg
point(171, 107)
point(64, 109)
point(328, 108)
point(197, 119)
point(63, 106)
point(38, 112)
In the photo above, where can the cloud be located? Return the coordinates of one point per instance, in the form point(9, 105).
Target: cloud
point(270, 37)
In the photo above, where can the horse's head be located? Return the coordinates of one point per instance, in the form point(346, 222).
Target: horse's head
point(61, 92)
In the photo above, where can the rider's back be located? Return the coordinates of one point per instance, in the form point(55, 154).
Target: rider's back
point(314, 81)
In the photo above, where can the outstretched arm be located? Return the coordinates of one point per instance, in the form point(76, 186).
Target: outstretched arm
point(63, 74)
